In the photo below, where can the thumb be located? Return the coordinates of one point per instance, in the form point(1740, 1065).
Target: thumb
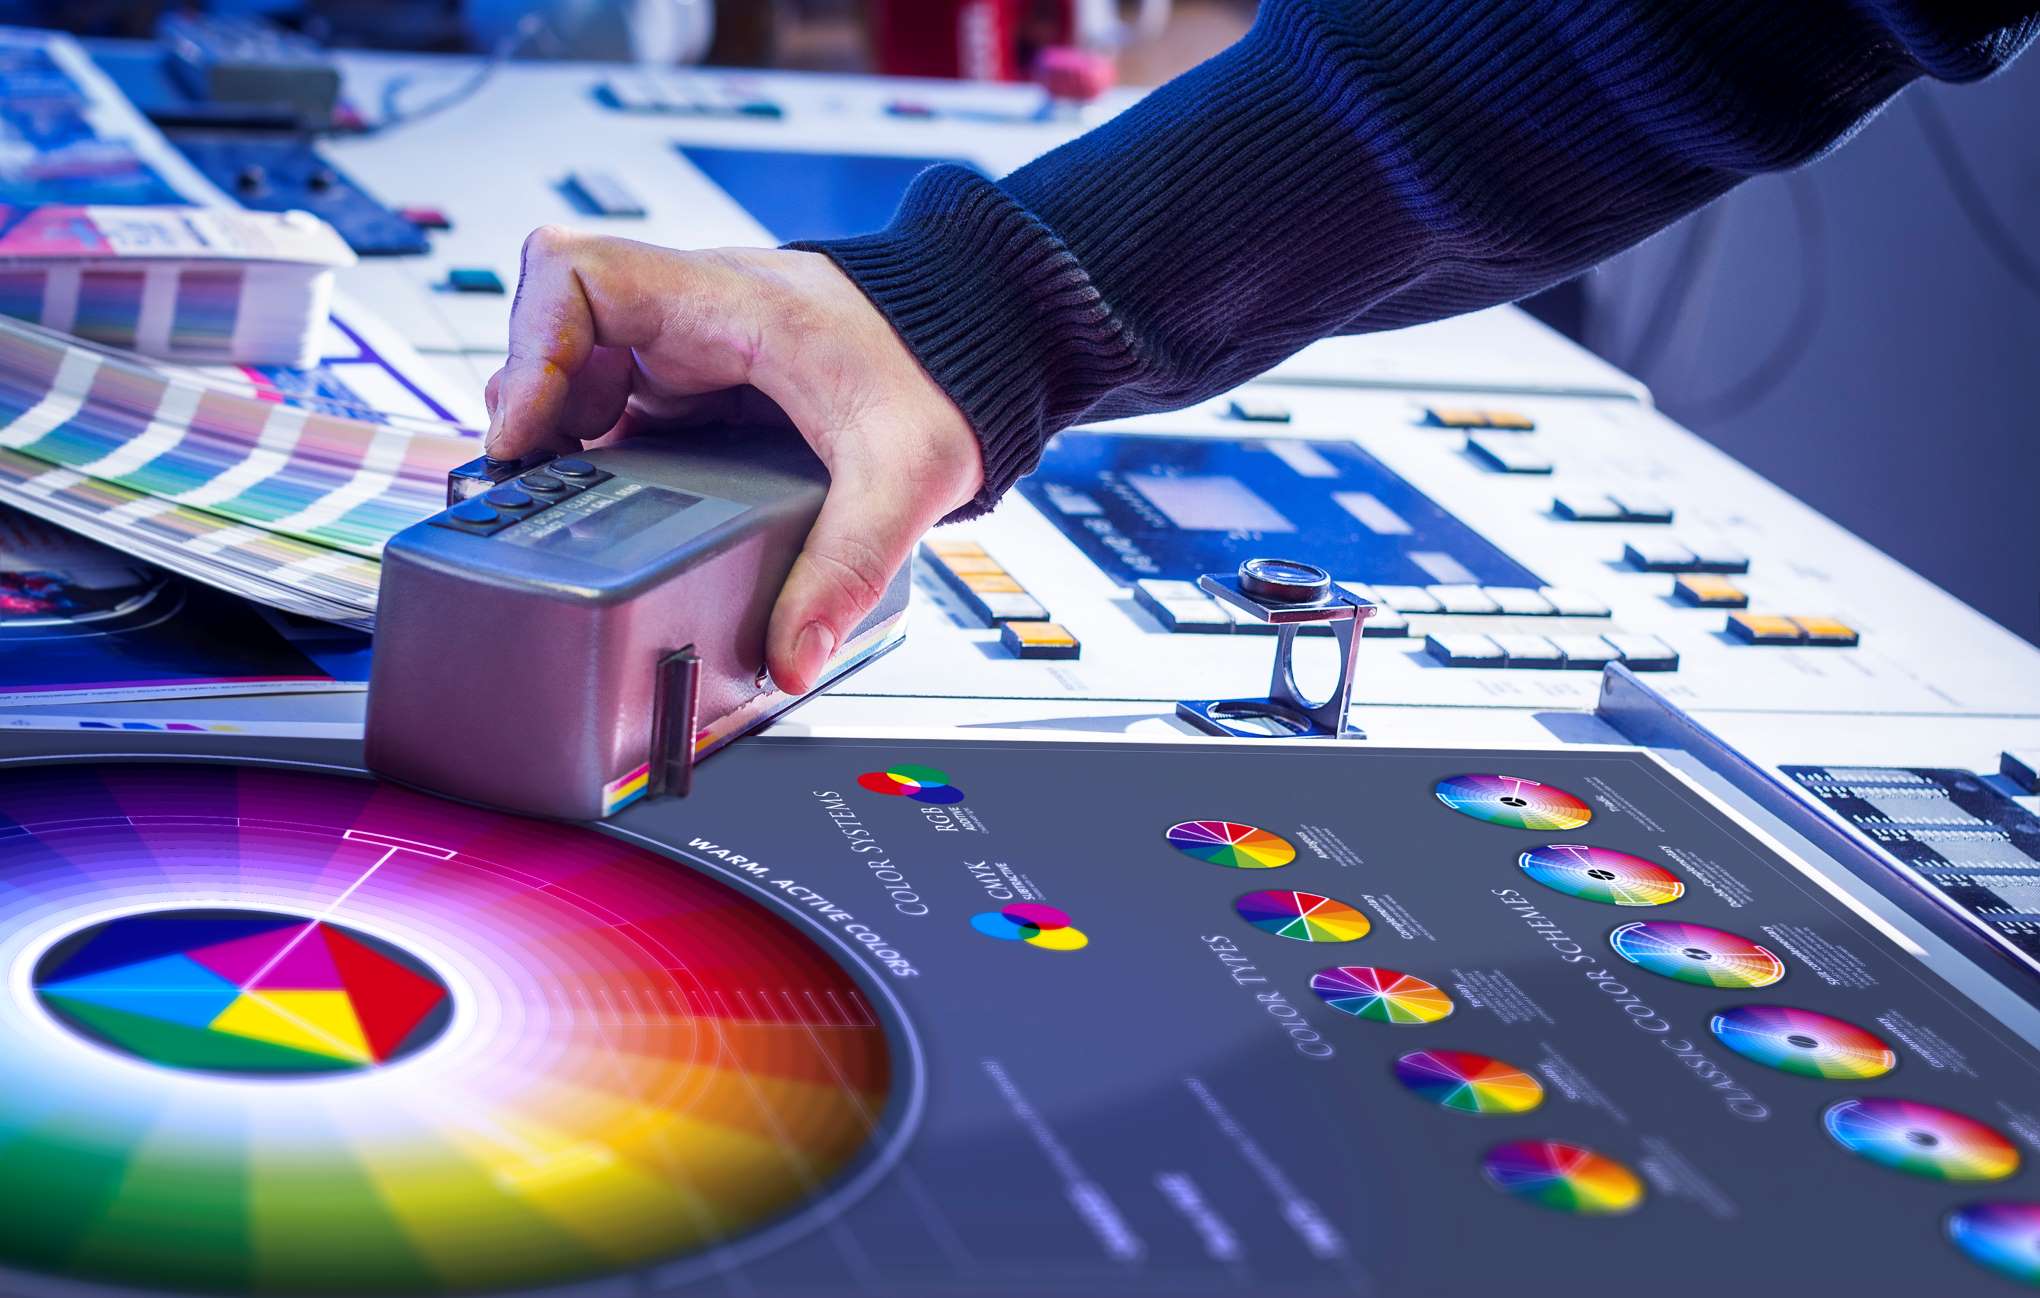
point(866, 530)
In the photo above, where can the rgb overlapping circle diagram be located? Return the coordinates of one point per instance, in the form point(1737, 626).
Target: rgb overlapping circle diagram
point(1568, 1178)
point(1695, 953)
point(1923, 1139)
point(242, 991)
point(1035, 924)
point(1469, 1083)
point(1601, 874)
point(1805, 1042)
point(1302, 916)
point(1382, 995)
point(1230, 844)
point(921, 783)
point(2004, 1236)
point(1514, 802)
point(274, 1032)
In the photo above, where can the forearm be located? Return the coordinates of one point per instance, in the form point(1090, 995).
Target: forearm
point(1352, 167)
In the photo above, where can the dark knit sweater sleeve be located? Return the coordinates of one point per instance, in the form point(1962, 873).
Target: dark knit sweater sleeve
point(1356, 165)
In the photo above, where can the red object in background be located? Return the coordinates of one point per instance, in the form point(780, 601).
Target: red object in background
point(967, 40)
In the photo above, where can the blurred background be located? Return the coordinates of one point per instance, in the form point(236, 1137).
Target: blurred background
point(1865, 332)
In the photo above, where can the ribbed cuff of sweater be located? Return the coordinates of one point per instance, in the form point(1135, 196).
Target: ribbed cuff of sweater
point(994, 307)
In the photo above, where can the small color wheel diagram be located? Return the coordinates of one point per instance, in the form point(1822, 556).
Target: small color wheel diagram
point(1033, 923)
point(1924, 1139)
point(237, 991)
point(1805, 1042)
point(1695, 953)
point(1235, 846)
point(1469, 1083)
point(275, 1032)
point(1514, 802)
point(1602, 874)
point(1569, 1178)
point(921, 783)
point(1302, 916)
point(1383, 995)
point(2002, 1236)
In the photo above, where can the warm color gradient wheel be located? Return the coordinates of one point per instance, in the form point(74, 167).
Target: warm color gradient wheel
point(1601, 874)
point(1512, 801)
point(1302, 916)
point(242, 991)
point(1235, 846)
point(1469, 1083)
point(1695, 953)
point(638, 1066)
point(1383, 995)
point(1569, 1178)
point(2003, 1236)
point(1805, 1042)
point(1924, 1139)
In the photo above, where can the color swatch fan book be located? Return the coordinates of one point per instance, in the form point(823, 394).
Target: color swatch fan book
point(284, 504)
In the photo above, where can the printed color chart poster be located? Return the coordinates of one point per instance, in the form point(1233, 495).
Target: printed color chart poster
point(930, 1017)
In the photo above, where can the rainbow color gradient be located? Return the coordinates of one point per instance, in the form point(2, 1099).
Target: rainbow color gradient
point(1513, 802)
point(1805, 1042)
point(1568, 1178)
point(637, 1065)
point(1469, 1083)
point(2004, 1236)
point(1923, 1139)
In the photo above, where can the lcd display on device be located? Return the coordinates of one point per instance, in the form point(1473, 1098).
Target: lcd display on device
point(932, 1016)
point(1178, 507)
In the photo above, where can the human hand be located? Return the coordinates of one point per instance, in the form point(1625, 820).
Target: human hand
point(610, 338)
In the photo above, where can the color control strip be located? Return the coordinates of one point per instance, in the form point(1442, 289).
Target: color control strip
point(1643, 653)
point(982, 582)
point(1774, 629)
point(1464, 417)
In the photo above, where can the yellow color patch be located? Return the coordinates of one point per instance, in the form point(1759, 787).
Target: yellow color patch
point(322, 1023)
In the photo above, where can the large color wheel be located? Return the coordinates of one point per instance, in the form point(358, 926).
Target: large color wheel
point(1302, 916)
point(277, 1032)
point(1469, 1083)
point(2002, 1236)
point(1806, 1042)
point(1566, 1177)
point(1235, 846)
point(1512, 801)
point(1695, 953)
point(1383, 995)
point(1601, 874)
point(1923, 1139)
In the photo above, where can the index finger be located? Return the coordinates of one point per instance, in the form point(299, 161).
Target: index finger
point(575, 293)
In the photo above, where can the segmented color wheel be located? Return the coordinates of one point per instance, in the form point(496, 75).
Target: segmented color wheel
point(1602, 874)
point(1470, 1083)
point(639, 1063)
point(1235, 846)
point(1512, 801)
point(921, 783)
point(1806, 1042)
point(1383, 995)
point(242, 991)
point(1695, 953)
point(1569, 1178)
point(1923, 1139)
point(1033, 923)
point(2003, 1236)
point(1302, 916)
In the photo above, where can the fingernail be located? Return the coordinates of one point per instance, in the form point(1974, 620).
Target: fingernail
point(811, 650)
